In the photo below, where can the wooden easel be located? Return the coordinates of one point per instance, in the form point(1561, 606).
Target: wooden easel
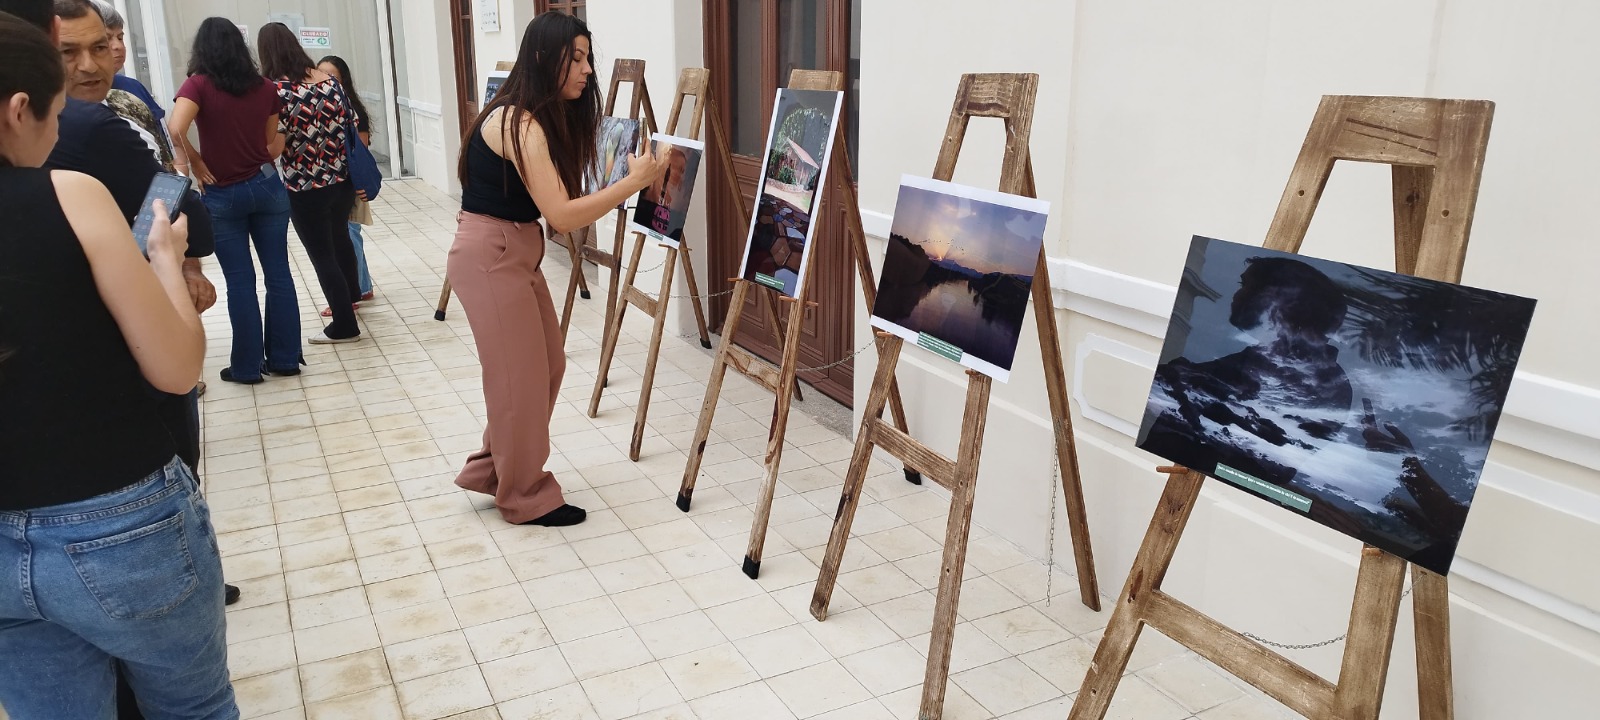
point(782, 381)
point(624, 70)
point(1009, 97)
point(444, 292)
point(1437, 150)
point(692, 82)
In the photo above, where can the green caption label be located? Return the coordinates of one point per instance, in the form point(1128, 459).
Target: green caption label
point(769, 281)
point(939, 347)
point(1264, 488)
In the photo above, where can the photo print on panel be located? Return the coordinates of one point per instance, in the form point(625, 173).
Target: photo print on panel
point(958, 274)
point(616, 139)
point(799, 144)
point(663, 207)
point(1363, 399)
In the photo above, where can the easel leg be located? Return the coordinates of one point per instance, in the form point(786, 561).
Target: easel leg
point(708, 407)
point(695, 301)
point(775, 435)
point(958, 526)
point(1430, 603)
point(663, 301)
point(1366, 650)
point(1149, 569)
point(444, 301)
point(777, 331)
point(614, 282)
point(576, 280)
point(608, 346)
point(860, 459)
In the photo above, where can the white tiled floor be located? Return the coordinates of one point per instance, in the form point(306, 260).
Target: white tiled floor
point(374, 588)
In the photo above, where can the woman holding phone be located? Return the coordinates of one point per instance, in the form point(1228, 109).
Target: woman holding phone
point(525, 159)
point(107, 558)
point(236, 111)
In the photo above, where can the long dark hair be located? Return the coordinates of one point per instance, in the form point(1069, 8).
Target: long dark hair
point(349, 82)
point(29, 64)
point(281, 54)
point(219, 53)
point(533, 90)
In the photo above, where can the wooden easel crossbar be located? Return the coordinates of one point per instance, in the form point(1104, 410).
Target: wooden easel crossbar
point(1436, 148)
point(782, 380)
point(1011, 98)
point(692, 83)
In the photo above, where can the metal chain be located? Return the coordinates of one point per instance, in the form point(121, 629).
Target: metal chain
point(840, 361)
point(1050, 536)
point(1308, 646)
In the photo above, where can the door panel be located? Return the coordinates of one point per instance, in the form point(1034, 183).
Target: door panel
point(751, 46)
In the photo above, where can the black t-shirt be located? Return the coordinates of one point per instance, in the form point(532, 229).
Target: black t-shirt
point(97, 143)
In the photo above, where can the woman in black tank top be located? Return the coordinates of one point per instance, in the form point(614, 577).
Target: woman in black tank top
point(526, 157)
point(106, 549)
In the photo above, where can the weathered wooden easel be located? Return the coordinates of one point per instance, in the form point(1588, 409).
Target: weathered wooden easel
point(624, 70)
point(1437, 149)
point(444, 292)
point(1009, 97)
point(695, 83)
point(782, 381)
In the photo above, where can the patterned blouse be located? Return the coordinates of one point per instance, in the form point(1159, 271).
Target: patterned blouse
point(313, 120)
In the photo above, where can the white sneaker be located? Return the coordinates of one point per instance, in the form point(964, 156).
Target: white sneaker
point(322, 338)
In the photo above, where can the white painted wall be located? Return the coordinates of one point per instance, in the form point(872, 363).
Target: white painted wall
point(429, 121)
point(1159, 119)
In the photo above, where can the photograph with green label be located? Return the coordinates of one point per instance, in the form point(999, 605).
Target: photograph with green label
point(1363, 399)
point(799, 144)
point(958, 272)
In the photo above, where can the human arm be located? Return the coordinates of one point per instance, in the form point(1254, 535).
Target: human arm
point(276, 139)
point(148, 300)
point(184, 112)
point(564, 213)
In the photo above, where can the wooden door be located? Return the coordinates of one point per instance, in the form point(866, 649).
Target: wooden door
point(461, 29)
point(751, 45)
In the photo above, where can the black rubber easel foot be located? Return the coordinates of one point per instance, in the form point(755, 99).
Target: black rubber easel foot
point(683, 500)
point(705, 343)
point(752, 568)
point(583, 294)
point(438, 315)
point(913, 477)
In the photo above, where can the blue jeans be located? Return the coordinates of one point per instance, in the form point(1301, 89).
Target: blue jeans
point(256, 210)
point(131, 577)
point(361, 258)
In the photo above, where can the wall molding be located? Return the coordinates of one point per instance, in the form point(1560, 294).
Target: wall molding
point(433, 110)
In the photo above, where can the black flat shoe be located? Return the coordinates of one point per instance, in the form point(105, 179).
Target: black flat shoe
point(291, 372)
point(560, 517)
point(227, 376)
point(230, 594)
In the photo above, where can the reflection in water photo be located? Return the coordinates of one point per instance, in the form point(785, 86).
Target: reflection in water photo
point(958, 273)
point(1363, 399)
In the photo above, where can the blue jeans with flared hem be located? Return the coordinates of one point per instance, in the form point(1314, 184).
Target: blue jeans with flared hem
point(131, 577)
point(257, 210)
point(357, 242)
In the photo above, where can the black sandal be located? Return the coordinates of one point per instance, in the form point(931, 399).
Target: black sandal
point(227, 376)
point(560, 517)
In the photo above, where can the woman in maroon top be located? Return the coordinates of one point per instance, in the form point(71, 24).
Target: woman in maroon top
point(314, 121)
point(237, 114)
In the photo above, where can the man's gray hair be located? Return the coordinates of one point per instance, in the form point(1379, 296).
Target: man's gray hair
point(109, 14)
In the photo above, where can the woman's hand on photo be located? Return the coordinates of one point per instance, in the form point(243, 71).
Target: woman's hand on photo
point(645, 167)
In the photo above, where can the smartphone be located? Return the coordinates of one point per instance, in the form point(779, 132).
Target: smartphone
point(167, 188)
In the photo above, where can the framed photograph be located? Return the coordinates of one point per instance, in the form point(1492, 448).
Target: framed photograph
point(1363, 399)
point(663, 208)
point(491, 85)
point(617, 139)
point(958, 274)
point(799, 145)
